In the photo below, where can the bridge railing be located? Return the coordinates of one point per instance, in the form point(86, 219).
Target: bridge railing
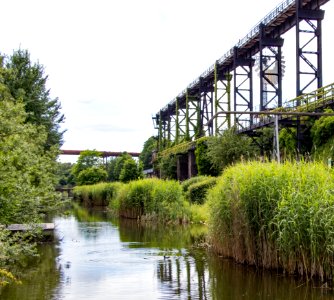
point(319, 99)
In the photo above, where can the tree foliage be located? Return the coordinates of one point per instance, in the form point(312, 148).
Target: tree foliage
point(124, 168)
point(92, 175)
point(322, 129)
point(86, 160)
point(27, 169)
point(130, 171)
point(26, 82)
point(229, 148)
point(146, 154)
point(203, 163)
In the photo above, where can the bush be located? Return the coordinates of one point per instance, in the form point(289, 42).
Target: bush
point(187, 183)
point(92, 175)
point(197, 191)
point(276, 216)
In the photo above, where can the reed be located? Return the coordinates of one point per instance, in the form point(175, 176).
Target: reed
point(99, 194)
point(275, 216)
point(153, 199)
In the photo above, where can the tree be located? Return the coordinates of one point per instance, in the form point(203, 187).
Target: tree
point(129, 171)
point(92, 175)
point(119, 163)
point(26, 82)
point(87, 159)
point(229, 148)
point(27, 170)
point(146, 154)
point(64, 175)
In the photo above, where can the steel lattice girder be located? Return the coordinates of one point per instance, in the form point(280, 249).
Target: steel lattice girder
point(270, 64)
point(243, 87)
point(308, 48)
point(222, 93)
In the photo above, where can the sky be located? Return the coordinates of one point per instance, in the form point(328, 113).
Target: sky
point(115, 64)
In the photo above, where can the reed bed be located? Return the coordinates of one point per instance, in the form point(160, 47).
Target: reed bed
point(277, 216)
point(153, 199)
point(99, 194)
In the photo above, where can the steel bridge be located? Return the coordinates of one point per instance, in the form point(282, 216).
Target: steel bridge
point(228, 84)
point(104, 154)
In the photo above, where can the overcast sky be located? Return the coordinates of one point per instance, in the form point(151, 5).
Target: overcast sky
point(114, 64)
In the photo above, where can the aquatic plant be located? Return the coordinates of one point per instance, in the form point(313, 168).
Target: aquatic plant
point(99, 194)
point(153, 199)
point(275, 216)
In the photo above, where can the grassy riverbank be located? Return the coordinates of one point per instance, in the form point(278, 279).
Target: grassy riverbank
point(277, 216)
point(147, 199)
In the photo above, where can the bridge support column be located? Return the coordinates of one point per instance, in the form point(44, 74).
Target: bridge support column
point(270, 71)
point(206, 108)
point(222, 98)
point(192, 168)
point(243, 88)
point(182, 167)
point(308, 48)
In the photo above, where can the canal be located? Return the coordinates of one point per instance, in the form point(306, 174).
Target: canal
point(99, 257)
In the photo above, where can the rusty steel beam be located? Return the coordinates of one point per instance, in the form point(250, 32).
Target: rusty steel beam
point(104, 153)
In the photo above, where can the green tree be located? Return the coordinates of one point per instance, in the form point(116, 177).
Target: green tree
point(27, 169)
point(322, 129)
point(146, 154)
point(64, 175)
point(92, 175)
point(87, 159)
point(130, 171)
point(203, 163)
point(168, 167)
point(119, 163)
point(26, 81)
point(229, 148)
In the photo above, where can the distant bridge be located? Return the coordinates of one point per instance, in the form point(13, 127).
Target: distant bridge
point(105, 154)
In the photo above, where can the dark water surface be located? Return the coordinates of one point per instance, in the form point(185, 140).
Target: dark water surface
point(96, 257)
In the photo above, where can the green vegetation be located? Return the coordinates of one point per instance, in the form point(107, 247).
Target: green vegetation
point(29, 145)
point(26, 83)
point(124, 168)
point(230, 148)
point(197, 191)
point(146, 154)
point(98, 194)
point(275, 216)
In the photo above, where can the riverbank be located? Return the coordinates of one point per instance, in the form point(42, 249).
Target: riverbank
point(269, 215)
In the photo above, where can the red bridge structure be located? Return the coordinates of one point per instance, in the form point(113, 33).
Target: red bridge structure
point(105, 154)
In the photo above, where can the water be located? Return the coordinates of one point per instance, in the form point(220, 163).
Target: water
point(96, 257)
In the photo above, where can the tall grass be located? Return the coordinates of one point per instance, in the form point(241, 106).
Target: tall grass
point(153, 199)
point(99, 194)
point(275, 216)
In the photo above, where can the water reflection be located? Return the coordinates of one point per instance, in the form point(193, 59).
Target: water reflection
point(98, 257)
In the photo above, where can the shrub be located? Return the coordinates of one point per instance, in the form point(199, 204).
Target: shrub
point(197, 191)
point(187, 183)
point(92, 175)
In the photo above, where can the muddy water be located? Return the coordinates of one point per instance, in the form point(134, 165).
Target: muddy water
point(96, 257)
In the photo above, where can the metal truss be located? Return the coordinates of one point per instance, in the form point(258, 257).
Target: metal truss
point(309, 48)
point(206, 109)
point(222, 94)
point(243, 88)
point(270, 65)
point(193, 111)
point(181, 123)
